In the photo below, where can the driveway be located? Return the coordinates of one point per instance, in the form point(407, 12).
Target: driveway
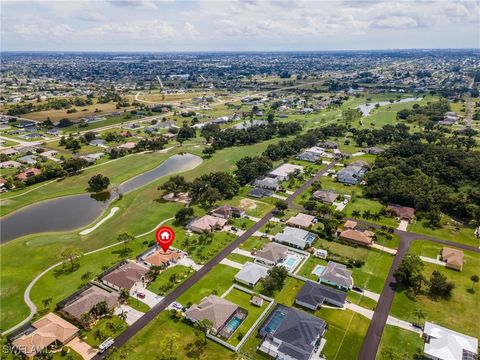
point(231, 263)
point(433, 261)
point(132, 314)
point(403, 225)
point(82, 348)
point(151, 299)
point(243, 252)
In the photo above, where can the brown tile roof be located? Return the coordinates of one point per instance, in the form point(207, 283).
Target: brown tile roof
point(213, 308)
point(326, 196)
point(49, 329)
point(88, 299)
point(403, 212)
point(272, 252)
point(208, 223)
point(302, 220)
point(453, 257)
point(350, 224)
point(159, 258)
point(361, 237)
point(29, 173)
point(126, 275)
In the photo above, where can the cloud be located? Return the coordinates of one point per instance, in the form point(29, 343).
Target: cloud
point(150, 4)
point(395, 22)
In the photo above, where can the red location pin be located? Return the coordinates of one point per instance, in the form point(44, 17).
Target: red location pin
point(164, 237)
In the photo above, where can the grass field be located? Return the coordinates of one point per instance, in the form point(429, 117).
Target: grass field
point(119, 326)
point(190, 345)
point(461, 303)
point(449, 231)
point(404, 342)
point(139, 212)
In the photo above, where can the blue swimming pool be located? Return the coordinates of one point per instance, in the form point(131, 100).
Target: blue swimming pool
point(274, 322)
point(232, 325)
point(318, 270)
point(290, 262)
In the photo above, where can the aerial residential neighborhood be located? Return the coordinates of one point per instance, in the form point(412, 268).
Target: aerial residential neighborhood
point(196, 180)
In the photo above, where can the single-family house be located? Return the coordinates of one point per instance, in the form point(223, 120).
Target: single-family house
point(250, 274)
point(125, 276)
point(329, 145)
point(24, 175)
point(373, 150)
point(212, 308)
point(157, 257)
point(85, 300)
point(325, 196)
point(226, 212)
point(337, 275)
point(127, 146)
point(313, 295)
point(271, 254)
point(301, 221)
point(28, 159)
point(284, 171)
point(401, 212)
point(207, 223)
point(54, 132)
point(445, 344)
point(10, 164)
point(364, 238)
point(98, 142)
point(49, 330)
point(294, 237)
point(308, 156)
point(267, 183)
point(453, 258)
point(351, 175)
point(9, 151)
point(259, 193)
point(290, 334)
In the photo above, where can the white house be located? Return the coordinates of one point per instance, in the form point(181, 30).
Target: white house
point(445, 344)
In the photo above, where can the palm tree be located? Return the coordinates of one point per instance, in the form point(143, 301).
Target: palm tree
point(123, 316)
point(124, 295)
point(474, 279)
point(98, 334)
point(125, 238)
point(356, 213)
point(204, 326)
point(47, 302)
point(85, 318)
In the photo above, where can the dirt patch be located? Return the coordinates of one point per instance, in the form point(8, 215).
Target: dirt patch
point(247, 204)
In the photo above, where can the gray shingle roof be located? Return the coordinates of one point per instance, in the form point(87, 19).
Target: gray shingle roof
point(314, 294)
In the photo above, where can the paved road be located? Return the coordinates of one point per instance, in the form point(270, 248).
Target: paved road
point(187, 284)
point(374, 333)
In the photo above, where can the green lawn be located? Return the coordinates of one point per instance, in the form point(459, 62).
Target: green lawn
point(254, 243)
point(462, 303)
point(190, 345)
point(241, 259)
point(140, 211)
point(169, 278)
point(448, 231)
point(217, 281)
point(242, 299)
point(137, 304)
point(103, 326)
point(404, 342)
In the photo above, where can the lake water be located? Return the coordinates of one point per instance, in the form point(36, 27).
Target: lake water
point(67, 213)
point(366, 108)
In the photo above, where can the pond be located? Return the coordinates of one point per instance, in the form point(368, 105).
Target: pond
point(366, 108)
point(67, 213)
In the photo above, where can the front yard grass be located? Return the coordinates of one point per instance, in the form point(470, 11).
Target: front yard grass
point(460, 311)
point(137, 304)
point(254, 243)
point(109, 326)
point(190, 345)
point(169, 278)
point(403, 341)
point(217, 281)
point(241, 259)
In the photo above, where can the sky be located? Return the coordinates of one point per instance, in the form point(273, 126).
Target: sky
point(237, 25)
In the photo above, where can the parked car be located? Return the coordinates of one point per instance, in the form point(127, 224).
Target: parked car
point(357, 289)
point(141, 295)
point(105, 345)
point(177, 305)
